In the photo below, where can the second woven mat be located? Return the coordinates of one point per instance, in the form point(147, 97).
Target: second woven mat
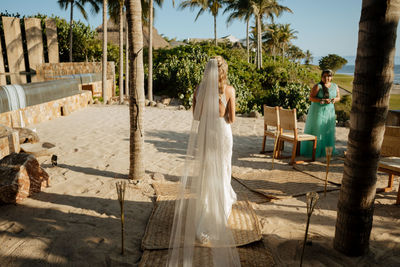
point(282, 183)
point(242, 221)
point(336, 168)
point(253, 255)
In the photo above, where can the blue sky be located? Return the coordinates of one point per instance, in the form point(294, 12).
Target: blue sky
point(323, 26)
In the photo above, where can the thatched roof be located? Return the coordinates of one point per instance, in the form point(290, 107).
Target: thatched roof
point(113, 35)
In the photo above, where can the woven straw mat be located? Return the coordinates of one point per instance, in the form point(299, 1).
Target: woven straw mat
point(242, 221)
point(243, 193)
point(253, 255)
point(282, 183)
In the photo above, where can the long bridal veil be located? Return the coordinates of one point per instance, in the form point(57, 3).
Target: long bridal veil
point(200, 234)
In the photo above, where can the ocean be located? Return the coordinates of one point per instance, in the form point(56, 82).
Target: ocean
point(349, 70)
point(349, 67)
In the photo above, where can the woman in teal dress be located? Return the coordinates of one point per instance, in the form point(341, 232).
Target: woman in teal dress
point(321, 119)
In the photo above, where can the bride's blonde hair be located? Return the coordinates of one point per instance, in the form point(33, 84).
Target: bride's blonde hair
point(222, 74)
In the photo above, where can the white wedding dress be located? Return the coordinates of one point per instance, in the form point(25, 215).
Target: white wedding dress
point(203, 209)
point(200, 233)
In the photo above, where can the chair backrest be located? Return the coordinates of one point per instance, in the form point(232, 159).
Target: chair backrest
point(391, 142)
point(288, 119)
point(271, 116)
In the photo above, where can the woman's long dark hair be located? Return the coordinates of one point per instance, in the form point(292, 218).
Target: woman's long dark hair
point(324, 88)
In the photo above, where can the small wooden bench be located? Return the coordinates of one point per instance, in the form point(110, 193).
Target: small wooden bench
point(390, 161)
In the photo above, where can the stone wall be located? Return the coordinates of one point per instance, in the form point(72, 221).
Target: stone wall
point(49, 70)
point(45, 111)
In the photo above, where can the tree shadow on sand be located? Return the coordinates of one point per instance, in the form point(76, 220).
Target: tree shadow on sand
point(88, 170)
point(70, 230)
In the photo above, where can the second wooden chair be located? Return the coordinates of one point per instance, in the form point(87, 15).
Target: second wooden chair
point(288, 122)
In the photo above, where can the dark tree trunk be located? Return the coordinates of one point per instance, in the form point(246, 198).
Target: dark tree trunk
point(373, 80)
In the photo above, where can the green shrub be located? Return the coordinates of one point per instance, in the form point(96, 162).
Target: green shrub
point(281, 82)
point(343, 108)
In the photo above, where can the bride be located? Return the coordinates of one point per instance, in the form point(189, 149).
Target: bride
point(200, 232)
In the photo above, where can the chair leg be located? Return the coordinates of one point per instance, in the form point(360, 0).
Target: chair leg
point(263, 144)
point(293, 152)
point(398, 196)
point(278, 149)
point(314, 149)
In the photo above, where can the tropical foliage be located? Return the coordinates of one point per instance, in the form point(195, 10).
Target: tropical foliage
point(332, 61)
point(71, 4)
point(285, 83)
point(86, 46)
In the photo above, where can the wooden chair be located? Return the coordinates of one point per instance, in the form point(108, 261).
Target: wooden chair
point(390, 160)
point(288, 123)
point(271, 118)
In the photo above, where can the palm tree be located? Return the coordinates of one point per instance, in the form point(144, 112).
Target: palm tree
point(240, 9)
point(136, 96)
point(64, 4)
point(104, 59)
point(294, 52)
point(212, 6)
point(126, 53)
point(373, 80)
point(268, 9)
point(116, 11)
point(150, 62)
point(150, 74)
point(308, 57)
point(286, 35)
point(271, 38)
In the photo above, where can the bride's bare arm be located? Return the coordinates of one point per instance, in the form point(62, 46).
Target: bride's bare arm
point(231, 104)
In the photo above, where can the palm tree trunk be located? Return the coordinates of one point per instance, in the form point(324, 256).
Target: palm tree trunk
point(215, 30)
point(150, 77)
point(126, 55)
point(71, 23)
point(136, 103)
point(121, 52)
point(259, 44)
point(373, 81)
point(104, 67)
point(247, 40)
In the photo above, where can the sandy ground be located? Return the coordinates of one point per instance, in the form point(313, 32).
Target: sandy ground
point(75, 222)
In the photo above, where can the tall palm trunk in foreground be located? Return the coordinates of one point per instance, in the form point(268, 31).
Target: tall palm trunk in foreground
point(373, 80)
point(136, 96)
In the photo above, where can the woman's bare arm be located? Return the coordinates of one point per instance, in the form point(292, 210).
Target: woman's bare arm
point(313, 94)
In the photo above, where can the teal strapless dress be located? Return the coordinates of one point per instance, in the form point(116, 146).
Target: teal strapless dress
point(321, 122)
